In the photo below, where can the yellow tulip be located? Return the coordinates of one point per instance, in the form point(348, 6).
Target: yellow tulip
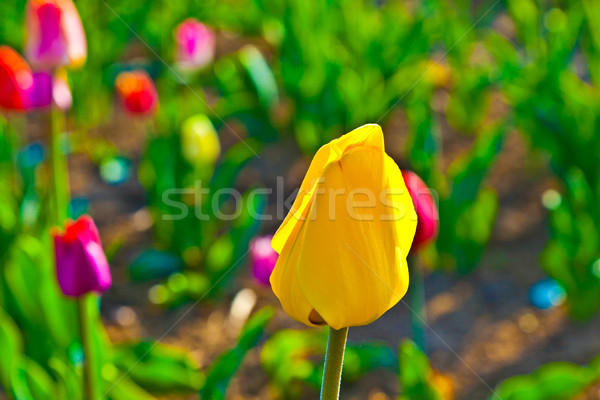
point(344, 243)
point(200, 141)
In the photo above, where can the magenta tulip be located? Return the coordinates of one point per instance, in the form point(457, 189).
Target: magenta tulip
point(41, 95)
point(426, 208)
point(81, 266)
point(55, 35)
point(195, 44)
point(262, 259)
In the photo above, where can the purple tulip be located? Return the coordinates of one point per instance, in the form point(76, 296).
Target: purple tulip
point(41, 95)
point(262, 258)
point(195, 44)
point(81, 266)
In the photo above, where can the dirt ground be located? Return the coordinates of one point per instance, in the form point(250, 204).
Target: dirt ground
point(482, 328)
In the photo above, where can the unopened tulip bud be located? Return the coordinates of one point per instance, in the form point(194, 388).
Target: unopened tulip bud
point(200, 141)
point(81, 266)
point(195, 44)
point(262, 259)
point(137, 92)
point(426, 208)
point(336, 265)
point(55, 35)
point(16, 80)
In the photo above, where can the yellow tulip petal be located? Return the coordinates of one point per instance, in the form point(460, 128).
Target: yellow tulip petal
point(366, 135)
point(350, 267)
point(401, 208)
point(370, 135)
point(284, 281)
point(303, 199)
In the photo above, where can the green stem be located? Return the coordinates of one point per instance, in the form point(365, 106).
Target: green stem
point(89, 378)
point(334, 358)
point(59, 179)
point(416, 299)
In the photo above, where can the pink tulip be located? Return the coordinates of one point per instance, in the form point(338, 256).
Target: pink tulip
point(136, 92)
point(81, 266)
point(426, 208)
point(195, 44)
point(262, 259)
point(16, 80)
point(61, 93)
point(55, 35)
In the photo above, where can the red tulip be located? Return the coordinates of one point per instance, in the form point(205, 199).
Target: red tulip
point(426, 208)
point(16, 80)
point(136, 92)
point(195, 44)
point(55, 35)
point(81, 266)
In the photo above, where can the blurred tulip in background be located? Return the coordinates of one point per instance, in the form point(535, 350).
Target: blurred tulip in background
point(195, 44)
point(81, 266)
point(200, 141)
point(16, 80)
point(262, 258)
point(426, 208)
point(136, 92)
point(55, 35)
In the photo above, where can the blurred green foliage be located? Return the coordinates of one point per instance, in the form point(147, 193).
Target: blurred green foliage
point(39, 329)
point(553, 381)
point(313, 71)
point(293, 361)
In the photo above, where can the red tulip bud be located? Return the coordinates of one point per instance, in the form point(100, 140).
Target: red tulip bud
point(426, 208)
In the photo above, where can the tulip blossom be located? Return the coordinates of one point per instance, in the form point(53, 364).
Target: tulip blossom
point(16, 80)
point(48, 90)
point(199, 141)
point(61, 93)
point(81, 266)
point(427, 212)
point(343, 246)
point(55, 35)
point(41, 95)
point(137, 92)
point(195, 44)
point(262, 258)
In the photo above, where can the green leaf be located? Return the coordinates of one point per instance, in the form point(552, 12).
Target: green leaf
point(158, 368)
point(225, 366)
point(287, 358)
point(554, 381)
point(415, 372)
point(260, 74)
point(11, 344)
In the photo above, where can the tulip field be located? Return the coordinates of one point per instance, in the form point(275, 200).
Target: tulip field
point(291, 199)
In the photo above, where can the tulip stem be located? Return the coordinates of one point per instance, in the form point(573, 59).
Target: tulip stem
point(334, 358)
point(416, 299)
point(85, 321)
point(58, 170)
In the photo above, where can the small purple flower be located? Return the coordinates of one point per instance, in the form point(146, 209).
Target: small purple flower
point(262, 258)
point(81, 266)
point(195, 44)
